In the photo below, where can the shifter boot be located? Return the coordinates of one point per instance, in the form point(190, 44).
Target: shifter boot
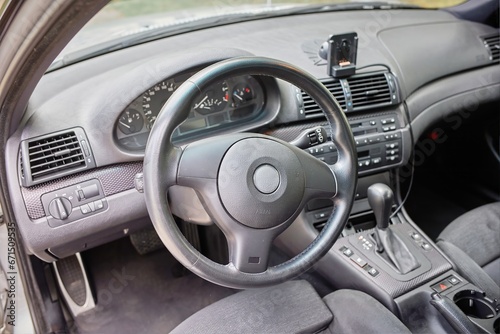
point(396, 252)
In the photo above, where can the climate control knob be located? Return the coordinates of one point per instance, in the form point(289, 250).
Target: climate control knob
point(60, 208)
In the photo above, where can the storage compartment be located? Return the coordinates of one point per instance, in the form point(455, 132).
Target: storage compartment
point(476, 304)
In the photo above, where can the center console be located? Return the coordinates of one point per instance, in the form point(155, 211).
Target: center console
point(425, 291)
point(381, 251)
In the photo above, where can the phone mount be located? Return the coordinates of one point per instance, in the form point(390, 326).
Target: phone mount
point(341, 51)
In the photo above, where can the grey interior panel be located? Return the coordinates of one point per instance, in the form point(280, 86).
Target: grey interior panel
point(420, 65)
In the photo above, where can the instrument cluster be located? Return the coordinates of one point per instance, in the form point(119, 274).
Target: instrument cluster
point(231, 101)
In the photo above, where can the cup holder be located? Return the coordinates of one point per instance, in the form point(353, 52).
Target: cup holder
point(476, 304)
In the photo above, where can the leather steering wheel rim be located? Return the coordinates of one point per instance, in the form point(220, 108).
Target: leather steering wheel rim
point(163, 168)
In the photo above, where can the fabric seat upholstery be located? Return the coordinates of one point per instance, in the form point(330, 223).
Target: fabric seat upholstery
point(293, 307)
point(472, 242)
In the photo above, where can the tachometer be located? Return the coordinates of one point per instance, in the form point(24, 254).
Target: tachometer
point(212, 100)
point(155, 98)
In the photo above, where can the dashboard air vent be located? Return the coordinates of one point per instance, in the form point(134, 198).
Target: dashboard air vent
point(356, 93)
point(492, 43)
point(48, 157)
point(311, 108)
point(368, 91)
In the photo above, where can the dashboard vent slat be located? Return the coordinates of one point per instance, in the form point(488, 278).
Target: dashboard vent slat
point(311, 108)
point(492, 43)
point(360, 92)
point(370, 90)
point(48, 157)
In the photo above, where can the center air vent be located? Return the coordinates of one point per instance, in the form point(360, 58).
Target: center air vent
point(357, 93)
point(55, 155)
point(369, 91)
point(310, 106)
point(492, 43)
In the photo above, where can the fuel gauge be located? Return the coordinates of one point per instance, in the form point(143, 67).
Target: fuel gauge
point(130, 121)
point(242, 94)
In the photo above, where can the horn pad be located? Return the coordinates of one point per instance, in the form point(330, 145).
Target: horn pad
point(260, 182)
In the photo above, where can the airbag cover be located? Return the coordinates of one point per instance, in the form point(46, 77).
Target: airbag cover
point(246, 168)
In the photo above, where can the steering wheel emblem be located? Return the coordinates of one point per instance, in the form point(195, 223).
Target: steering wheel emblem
point(266, 179)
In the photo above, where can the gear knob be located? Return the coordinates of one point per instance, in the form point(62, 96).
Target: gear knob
point(381, 197)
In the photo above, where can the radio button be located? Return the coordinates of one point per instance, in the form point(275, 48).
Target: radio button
point(364, 163)
point(388, 121)
point(392, 152)
point(392, 145)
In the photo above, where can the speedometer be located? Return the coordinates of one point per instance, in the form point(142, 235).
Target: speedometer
point(154, 99)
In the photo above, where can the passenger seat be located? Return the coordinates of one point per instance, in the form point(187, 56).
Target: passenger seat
point(472, 242)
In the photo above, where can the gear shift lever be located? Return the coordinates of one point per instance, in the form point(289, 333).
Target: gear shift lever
point(380, 197)
point(389, 244)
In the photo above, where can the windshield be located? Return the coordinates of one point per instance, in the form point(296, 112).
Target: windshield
point(126, 22)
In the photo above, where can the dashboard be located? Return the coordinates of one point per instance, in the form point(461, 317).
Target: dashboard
point(86, 126)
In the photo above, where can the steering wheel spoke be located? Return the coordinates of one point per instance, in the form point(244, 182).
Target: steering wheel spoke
point(249, 249)
point(320, 179)
point(202, 158)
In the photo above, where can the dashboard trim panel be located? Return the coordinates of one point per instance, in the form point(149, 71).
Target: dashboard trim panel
point(114, 179)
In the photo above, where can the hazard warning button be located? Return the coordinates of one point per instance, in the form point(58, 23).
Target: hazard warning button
point(441, 286)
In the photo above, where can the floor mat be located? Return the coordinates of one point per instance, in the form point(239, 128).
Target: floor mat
point(141, 293)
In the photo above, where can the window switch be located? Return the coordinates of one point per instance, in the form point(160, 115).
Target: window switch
point(346, 251)
point(359, 261)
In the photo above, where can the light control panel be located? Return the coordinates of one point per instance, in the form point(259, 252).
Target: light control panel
point(74, 202)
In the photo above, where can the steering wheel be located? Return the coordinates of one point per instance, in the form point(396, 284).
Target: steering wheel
point(253, 186)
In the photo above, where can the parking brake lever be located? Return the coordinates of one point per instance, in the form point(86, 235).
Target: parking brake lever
point(453, 314)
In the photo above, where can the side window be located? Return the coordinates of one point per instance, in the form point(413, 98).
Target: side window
point(3, 6)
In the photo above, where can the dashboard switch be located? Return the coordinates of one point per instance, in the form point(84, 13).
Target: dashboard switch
point(60, 208)
point(85, 209)
point(441, 286)
point(346, 251)
point(416, 236)
point(99, 205)
point(80, 194)
point(425, 246)
point(372, 271)
point(359, 261)
point(90, 191)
